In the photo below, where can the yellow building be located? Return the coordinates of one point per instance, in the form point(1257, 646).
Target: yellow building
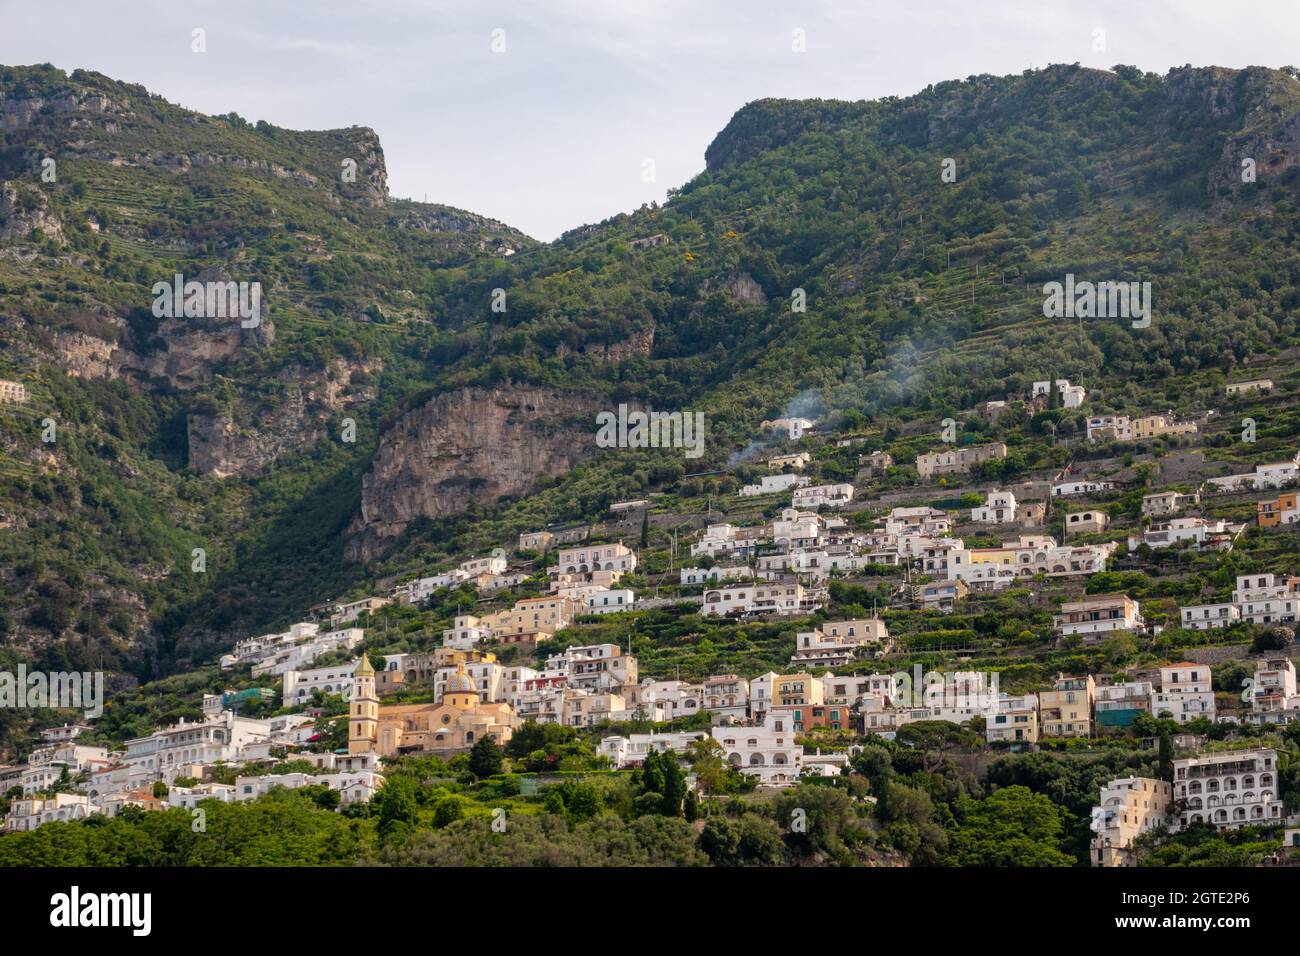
point(1130, 807)
point(1154, 426)
point(791, 689)
point(452, 725)
point(1066, 709)
point(548, 614)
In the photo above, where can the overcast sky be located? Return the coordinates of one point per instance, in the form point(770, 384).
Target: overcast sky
point(555, 131)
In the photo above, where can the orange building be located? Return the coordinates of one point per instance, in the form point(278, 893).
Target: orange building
point(1283, 510)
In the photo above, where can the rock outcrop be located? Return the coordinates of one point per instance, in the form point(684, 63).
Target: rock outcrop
point(469, 446)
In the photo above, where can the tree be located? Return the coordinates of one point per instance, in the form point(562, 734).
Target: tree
point(645, 529)
point(674, 786)
point(485, 757)
point(1013, 827)
point(1274, 639)
point(1166, 758)
point(398, 807)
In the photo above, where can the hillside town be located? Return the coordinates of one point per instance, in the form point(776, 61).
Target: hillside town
point(334, 707)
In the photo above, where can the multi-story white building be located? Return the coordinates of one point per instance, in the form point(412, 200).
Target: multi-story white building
point(631, 751)
point(726, 696)
point(1270, 475)
point(999, 508)
point(1228, 789)
point(301, 656)
point(1202, 533)
point(1206, 617)
point(781, 598)
point(1267, 598)
point(1072, 396)
point(1185, 693)
point(1165, 503)
point(1272, 693)
point(767, 751)
point(609, 601)
point(466, 632)
point(300, 685)
point(353, 787)
point(47, 763)
point(1025, 557)
point(28, 813)
point(1098, 615)
point(1113, 427)
point(665, 700)
point(173, 751)
point(714, 574)
point(822, 496)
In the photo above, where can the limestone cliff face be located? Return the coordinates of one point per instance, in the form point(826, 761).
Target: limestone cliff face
point(222, 446)
point(467, 446)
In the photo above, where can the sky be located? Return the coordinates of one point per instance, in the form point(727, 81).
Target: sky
point(549, 114)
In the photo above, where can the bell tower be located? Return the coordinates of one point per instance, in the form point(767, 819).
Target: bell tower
point(363, 711)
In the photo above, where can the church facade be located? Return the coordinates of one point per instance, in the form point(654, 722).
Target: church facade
point(452, 725)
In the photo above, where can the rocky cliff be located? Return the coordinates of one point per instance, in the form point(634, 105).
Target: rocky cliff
point(469, 446)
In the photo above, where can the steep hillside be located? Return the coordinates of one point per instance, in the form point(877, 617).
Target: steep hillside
point(921, 296)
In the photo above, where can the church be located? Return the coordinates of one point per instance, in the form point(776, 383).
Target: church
point(452, 725)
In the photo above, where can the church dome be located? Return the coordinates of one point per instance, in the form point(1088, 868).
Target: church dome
point(460, 683)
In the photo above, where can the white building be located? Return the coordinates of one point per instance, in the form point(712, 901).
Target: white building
point(466, 632)
point(1165, 503)
point(1278, 474)
point(608, 601)
point(714, 574)
point(1206, 617)
point(174, 751)
point(1202, 533)
point(28, 813)
point(353, 787)
point(773, 484)
point(631, 751)
point(1228, 789)
point(767, 751)
point(999, 508)
point(300, 685)
point(726, 696)
point(819, 496)
point(301, 656)
point(782, 598)
point(190, 797)
point(1066, 488)
point(1072, 396)
point(1098, 615)
point(1267, 599)
point(1273, 695)
point(1185, 693)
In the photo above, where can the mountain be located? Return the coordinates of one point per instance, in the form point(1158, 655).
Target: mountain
point(822, 263)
